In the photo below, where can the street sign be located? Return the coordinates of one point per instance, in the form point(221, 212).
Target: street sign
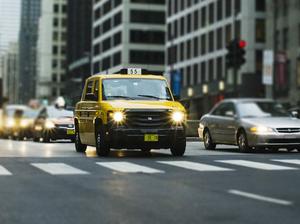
point(268, 67)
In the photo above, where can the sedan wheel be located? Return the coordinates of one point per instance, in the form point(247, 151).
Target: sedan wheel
point(243, 142)
point(208, 143)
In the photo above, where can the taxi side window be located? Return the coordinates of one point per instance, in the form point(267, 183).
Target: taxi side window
point(89, 90)
point(96, 90)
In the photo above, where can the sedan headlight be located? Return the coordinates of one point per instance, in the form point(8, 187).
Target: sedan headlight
point(49, 124)
point(24, 123)
point(10, 123)
point(118, 116)
point(261, 130)
point(178, 116)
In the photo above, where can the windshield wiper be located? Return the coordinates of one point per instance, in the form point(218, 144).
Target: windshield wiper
point(154, 97)
point(123, 97)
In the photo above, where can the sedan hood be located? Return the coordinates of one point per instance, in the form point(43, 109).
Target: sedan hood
point(274, 122)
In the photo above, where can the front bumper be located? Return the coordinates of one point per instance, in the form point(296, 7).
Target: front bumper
point(134, 138)
point(273, 139)
point(61, 133)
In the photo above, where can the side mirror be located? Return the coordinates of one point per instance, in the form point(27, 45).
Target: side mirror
point(295, 114)
point(90, 97)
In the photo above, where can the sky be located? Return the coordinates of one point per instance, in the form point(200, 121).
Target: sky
point(9, 22)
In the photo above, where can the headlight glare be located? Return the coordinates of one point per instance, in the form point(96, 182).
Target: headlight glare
point(178, 116)
point(118, 116)
point(49, 124)
point(10, 123)
point(24, 123)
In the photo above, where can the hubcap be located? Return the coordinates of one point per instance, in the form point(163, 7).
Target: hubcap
point(242, 141)
point(206, 139)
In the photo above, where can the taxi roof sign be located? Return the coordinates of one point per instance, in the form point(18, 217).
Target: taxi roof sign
point(137, 71)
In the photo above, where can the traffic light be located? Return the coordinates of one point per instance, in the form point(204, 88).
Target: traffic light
point(235, 57)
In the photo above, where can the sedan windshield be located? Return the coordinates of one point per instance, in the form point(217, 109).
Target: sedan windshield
point(59, 113)
point(135, 89)
point(262, 109)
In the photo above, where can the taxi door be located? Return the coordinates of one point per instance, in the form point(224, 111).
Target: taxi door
point(92, 108)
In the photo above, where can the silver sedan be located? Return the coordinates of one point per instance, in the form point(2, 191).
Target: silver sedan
point(249, 124)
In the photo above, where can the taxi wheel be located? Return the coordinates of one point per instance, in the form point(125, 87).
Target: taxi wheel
point(179, 147)
point(243, 142)
point(208, 143)
point(46, 137)
point(78, 145)
point(102, 148)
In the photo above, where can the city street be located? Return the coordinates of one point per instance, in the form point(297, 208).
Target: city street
point(51, 183)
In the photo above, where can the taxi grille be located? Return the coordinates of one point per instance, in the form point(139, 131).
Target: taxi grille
point(288, 130)
point(148, 119)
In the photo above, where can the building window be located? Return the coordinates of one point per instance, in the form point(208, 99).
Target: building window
point(189, 23)
point(219, 38)
point(106, 44)
point(259, 60)
point(54, 49)
point(211, 13)
point(211, 41)
point(285, 39)
point(64, 8)
point(260, 30)
point(147, 37)
point(118, 2)
point(203, 72)
point(55, 22)
point(55, 8)
point(181, 52)
point(175, 29)
point(106, 25)
point(203, 44)
point(237, 5)
point(188, 76)
point(203, 17)
point(151, 17)
point(97, 31)
point(117, 38)
point(195, 73)
point(196, 47)
point(117, 58)
point(118, 19)
point(196, 20)
point(160, 2)
point(96, 67)
point(219, 10)
point(97, 14)
point(106, 63)
point(147, 57)
point(182, 26)
point(228, 8)
point(211, 70)
point(228, 34)
point(219, 68)
point(55, 36)
point(96, 49)
point(106, 7)
point(170, 8)
point(189, 49)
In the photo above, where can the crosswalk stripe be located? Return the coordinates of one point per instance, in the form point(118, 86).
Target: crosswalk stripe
point(58, 168)
point(195, 166)
point(4, 171)
point(290, 161)
point(128, 167)
point(256, 165)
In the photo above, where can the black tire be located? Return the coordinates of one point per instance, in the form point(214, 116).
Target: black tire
point(208, 142)
point(78, 145)
point(146, 150)
point(242, 142)
point(274, 149)
point(46, 137)
point(36, 139)
point(102, 147)
point(178, 149)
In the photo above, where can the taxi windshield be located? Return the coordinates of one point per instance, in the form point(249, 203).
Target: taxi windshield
point(135, 89)
point(262, 109)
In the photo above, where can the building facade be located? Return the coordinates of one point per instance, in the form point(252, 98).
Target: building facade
point(52, 38)
point(30, 13)
point(198, 33)
point(9, 72)
point(79, 45)
point(283, 37)
point(128, 33)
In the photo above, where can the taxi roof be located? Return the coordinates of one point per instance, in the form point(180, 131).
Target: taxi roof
point(120, 76)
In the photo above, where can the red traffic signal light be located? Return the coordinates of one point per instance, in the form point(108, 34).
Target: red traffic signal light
point(242, 44)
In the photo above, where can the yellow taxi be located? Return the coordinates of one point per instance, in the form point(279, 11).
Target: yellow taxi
point(129, 110)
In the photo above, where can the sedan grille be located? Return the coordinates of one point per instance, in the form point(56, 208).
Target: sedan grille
point(288, 130)
point(148, 119)
point(64, 125)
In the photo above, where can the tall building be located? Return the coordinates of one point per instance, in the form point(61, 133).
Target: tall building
point(9, 71)
point(9, 23)
point(283, 37)
point(52, 37)
point(30, 13)
point(128, 33)
point(79, 46)
point(198, 33)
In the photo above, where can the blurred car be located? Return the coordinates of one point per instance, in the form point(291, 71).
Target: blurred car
point(53, 123)
point(11, 119)
point(24, 127)
point(250, 123)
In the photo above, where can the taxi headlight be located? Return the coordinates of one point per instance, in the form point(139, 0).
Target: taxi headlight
point(261, 130)
point(10, 123)
point(178, 116)
point(118, 116)
point(49, 124)
point(24, 123)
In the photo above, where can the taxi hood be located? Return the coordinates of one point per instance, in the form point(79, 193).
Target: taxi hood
point(135, 104)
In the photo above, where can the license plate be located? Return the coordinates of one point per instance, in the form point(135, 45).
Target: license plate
point(150, 138)
point(70, 132)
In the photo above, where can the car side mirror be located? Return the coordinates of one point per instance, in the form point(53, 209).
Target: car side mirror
point(229, 114)
point(91, 97)
point(295, 114)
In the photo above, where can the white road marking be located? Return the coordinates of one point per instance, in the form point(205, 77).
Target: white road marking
point(4, 171)
point(127, 167)
point(195, 166)
point(58, 168)
point(256, 165)
point(290, 161)
point(260, 197)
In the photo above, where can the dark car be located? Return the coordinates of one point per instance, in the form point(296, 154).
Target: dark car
point(24, 129)
point(54, 123)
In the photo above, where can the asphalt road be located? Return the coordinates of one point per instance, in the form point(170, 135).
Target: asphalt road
point(51, 183)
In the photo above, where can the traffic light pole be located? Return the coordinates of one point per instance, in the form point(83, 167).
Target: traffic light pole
point(235, 69)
